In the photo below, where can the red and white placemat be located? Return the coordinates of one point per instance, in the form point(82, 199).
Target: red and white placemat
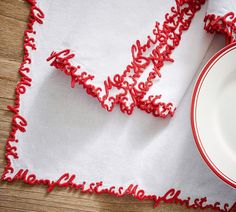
point(137, 60)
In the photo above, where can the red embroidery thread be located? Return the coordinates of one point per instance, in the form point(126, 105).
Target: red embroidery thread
point(67, 180)
point(222, 24)
point(19, 122)
point(131, 93)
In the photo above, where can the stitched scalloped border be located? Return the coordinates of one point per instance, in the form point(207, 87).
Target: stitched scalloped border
point(67, 180)
point(131, 92)
point(128, 96)
point(225, 25)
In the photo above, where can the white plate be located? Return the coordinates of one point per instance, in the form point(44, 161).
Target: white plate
point(213, 114)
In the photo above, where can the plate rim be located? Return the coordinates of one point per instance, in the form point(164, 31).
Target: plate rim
point(197, 87)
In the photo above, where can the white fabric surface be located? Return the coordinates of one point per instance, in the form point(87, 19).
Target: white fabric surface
point(221, 7)
point(68, 131)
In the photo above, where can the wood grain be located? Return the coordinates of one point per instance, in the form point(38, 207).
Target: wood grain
point(22, 197)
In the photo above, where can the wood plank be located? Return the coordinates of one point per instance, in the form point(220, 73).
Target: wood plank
point(5, 116)
point(5, 126)
point(9, 70)
point(5, 102)
point(11, 43)
point(18, 10)
point(7, 89)
point(4, 134)
point(11, 209)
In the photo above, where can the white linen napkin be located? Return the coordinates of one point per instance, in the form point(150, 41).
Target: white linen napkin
point(71, 141)
point(221, 18)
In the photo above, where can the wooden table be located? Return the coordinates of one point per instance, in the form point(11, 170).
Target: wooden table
point(21, 197)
